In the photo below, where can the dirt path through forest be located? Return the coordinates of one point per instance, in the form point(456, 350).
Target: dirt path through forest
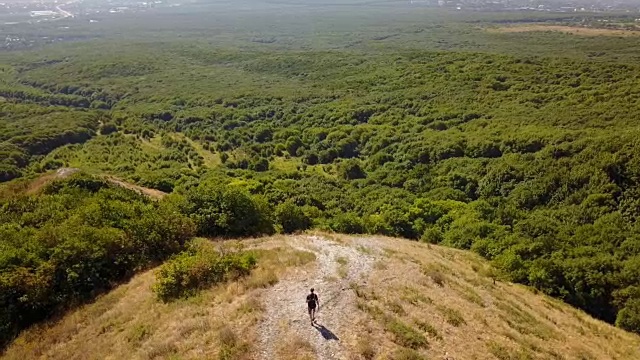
point(64, 173)
point(335, 268)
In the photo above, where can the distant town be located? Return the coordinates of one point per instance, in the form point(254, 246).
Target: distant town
point(44, 10)
point(18, 13)
point(532, 5)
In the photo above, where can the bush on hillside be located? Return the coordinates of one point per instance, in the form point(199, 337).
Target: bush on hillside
point(432, 235)
point(201, 266)
point(351, 170)
point(291, 217)
point(348, 223)
point(376, 224)
point(226, 211)
point(629, 317)
point(73, 242)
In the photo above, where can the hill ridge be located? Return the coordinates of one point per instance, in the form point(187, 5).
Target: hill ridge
point(383, 298)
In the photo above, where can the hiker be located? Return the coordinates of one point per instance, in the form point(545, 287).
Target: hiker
point(312, 302)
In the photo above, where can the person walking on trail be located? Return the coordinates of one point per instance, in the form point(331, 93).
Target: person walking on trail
point(312, 303)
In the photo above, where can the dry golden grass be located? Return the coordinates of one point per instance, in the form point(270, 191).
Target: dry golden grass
point(129, 323)
point(295, 348)
point(399, 312)
point(448, 296)
point(573, 30)
point(365, 348)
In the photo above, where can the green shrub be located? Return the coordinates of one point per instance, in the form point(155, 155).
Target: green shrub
point(291, 217)
point(629, 317)
point(348, 223)
point(226, 211)
point(376, 224)
point(432, 236)
point(351, 170)
point(199, 267)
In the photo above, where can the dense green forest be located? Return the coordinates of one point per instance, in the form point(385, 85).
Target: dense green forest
point(522, 147)
point(74, 241)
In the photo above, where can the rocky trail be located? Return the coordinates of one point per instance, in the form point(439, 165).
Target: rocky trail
point(337, 266)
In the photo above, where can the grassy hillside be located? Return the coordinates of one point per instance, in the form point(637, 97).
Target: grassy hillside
point(381, 298)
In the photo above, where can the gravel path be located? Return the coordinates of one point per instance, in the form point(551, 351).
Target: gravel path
point(286, 309)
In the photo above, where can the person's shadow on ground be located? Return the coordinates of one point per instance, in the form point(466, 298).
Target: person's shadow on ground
point(326, 333)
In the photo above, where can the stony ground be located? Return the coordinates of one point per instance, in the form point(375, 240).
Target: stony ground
point(337, 266)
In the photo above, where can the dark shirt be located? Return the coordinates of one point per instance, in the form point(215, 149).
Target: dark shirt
point(312, 299)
